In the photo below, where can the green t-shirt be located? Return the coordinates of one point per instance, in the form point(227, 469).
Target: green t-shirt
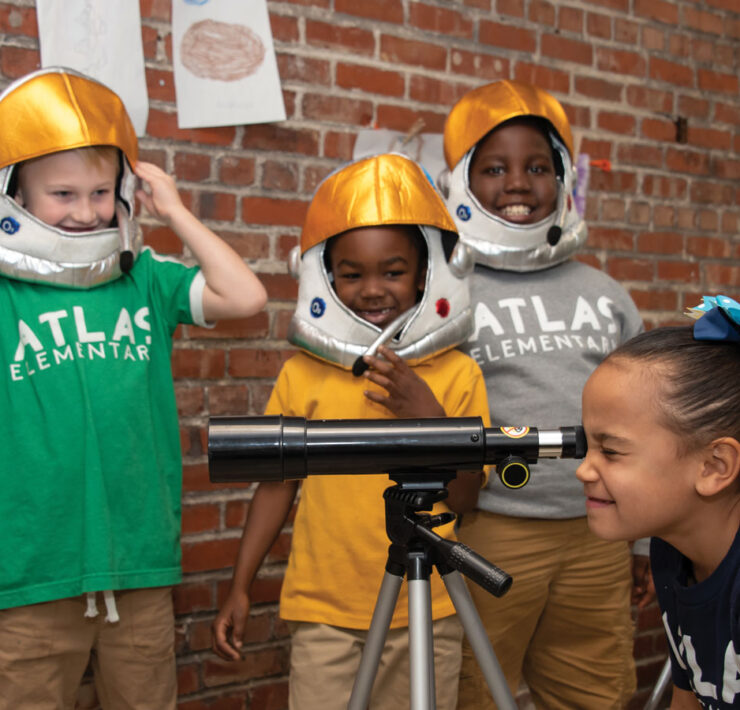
point(90, 469)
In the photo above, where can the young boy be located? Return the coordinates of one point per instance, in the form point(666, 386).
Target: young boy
point(91, 473)
point(378, 248)
point(542, 323)
point(662, 418)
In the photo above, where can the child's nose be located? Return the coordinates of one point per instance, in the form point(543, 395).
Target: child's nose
point(371, 287)
point(516, 180)
point(83, 211)
point(585, 471)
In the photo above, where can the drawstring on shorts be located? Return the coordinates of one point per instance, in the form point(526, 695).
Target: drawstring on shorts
point(110, 607)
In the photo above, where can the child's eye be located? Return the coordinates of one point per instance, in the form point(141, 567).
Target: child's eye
point(62, 194)
point(397, 273)
point(609, 453)
point(494, 170)
point(539, 169)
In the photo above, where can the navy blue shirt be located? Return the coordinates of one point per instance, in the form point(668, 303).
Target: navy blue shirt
point(702, 623)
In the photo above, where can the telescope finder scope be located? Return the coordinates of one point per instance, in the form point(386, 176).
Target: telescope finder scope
point(280, 448)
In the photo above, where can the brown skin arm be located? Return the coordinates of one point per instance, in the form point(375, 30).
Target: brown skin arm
point(409, 397)
point(268, 511)
point(683, 700)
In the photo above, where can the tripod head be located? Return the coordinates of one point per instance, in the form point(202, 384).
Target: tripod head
point(279, 448)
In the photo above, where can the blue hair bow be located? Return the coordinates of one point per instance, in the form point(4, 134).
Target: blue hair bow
point(718, 319)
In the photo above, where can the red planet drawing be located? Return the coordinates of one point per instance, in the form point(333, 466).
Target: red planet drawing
point(221, 51)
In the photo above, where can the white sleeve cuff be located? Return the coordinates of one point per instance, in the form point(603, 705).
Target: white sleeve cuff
point(196, 301)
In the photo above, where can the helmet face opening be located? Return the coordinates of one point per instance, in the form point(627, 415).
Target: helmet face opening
point(513, 244)
point(52, 111)
point(383, 191)
point(483, 109)
point(542, 126)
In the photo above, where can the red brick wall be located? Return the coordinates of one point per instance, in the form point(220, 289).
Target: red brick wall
point(664, 220)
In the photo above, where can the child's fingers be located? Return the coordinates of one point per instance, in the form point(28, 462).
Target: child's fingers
point(377, 364)
point(393, 357)
point(391, 370)
point(144, 197)
point(379, 379)
point(377, 397)
point(147, 170)
point(220, 643)
point(153, 177)
point(237, 631)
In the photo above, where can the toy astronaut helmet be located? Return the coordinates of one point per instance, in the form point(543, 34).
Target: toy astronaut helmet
point(49, 111)
point(496, 242)
point(388, 189)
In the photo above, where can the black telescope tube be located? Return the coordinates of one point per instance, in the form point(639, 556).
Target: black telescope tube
point(279, 448)
point(283, 448)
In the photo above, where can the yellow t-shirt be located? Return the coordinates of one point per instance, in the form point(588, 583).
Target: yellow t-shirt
point(339, 548)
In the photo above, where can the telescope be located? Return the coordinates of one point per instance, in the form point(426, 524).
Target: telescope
point(421, 456)
point(280, 448)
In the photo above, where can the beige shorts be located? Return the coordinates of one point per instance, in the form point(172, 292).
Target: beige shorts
point(324, 660)
point(45, 649)
point(565, 625)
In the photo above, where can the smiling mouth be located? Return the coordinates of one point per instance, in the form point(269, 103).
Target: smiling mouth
point(375, 316)
point(592, 502)
point(81, 230)
point(516, 211)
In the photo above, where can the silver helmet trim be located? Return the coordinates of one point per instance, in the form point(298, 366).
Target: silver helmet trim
point(323, 326)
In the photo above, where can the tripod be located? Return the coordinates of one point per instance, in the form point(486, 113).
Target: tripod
point(415, 548)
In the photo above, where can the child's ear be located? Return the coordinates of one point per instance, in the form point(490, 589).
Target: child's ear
point(18, 197)
point(721, 466)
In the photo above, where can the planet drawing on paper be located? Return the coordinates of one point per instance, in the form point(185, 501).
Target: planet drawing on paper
point(222, 51)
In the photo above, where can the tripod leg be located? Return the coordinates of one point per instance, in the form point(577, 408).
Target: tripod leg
point(432, 681)
point(660, 686)
point(421, 653)
point(478, 639)
point(379, 625)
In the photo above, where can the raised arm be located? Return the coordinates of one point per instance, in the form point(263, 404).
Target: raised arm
point(266, 516)
point(232, 290)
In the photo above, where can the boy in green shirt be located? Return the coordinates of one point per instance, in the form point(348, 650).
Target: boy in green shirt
point(91, 473)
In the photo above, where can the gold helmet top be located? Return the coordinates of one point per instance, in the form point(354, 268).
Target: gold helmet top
point(58, 109)
point(482, 109)
point(383, 189)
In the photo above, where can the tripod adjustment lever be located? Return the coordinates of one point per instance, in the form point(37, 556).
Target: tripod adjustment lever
point(493, 579)
point(471, 564)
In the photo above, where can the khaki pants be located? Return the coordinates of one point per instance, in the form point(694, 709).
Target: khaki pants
point(324, 660)
point(565, 625)
point(45, 649)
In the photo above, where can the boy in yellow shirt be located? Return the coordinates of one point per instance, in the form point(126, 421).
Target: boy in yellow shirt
point(379, 253)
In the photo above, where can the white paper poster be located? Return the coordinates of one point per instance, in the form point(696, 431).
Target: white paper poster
point(225, 67)
point(425, 148)
point(102, 39)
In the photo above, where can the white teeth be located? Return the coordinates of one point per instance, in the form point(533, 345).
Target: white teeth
point(516, 210)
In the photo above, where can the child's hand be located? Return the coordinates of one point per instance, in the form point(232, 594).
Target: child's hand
point(162, 199)
point(408, 395)
point(232, 616)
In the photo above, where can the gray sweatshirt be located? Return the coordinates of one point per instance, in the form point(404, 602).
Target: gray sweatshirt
point(538, 336)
